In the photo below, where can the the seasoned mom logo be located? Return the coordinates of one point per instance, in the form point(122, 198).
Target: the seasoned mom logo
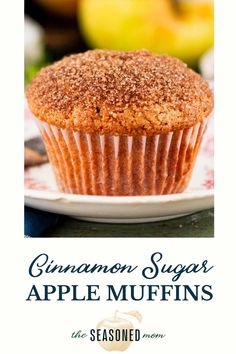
point(118, 332)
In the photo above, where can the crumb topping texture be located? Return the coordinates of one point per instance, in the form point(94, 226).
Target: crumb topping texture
point(120, 93)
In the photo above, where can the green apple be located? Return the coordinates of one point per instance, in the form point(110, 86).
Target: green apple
point(181, 28)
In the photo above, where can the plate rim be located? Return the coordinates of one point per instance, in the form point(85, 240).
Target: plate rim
point(116, 200)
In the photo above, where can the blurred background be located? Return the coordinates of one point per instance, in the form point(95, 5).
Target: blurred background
point(181, 28)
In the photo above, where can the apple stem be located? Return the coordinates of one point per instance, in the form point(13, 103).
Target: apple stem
point(134, 314)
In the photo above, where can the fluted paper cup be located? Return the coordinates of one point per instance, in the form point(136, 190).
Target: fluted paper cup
point(96, 164)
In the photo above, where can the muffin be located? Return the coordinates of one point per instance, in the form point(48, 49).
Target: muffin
point(121, 123)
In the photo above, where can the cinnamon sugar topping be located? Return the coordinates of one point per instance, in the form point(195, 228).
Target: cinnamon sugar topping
point(124, 93)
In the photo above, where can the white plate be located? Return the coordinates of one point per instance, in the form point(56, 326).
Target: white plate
point(41, 193)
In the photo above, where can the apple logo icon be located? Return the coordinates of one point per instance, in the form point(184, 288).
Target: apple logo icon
point(115, 331)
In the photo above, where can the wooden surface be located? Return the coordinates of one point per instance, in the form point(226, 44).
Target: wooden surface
point(196, 225)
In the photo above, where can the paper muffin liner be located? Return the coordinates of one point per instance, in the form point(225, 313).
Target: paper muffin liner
point(96, 164)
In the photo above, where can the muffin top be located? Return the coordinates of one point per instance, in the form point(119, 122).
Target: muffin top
point(120, 93)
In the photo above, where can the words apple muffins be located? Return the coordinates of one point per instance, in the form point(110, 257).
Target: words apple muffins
point(121, 123)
